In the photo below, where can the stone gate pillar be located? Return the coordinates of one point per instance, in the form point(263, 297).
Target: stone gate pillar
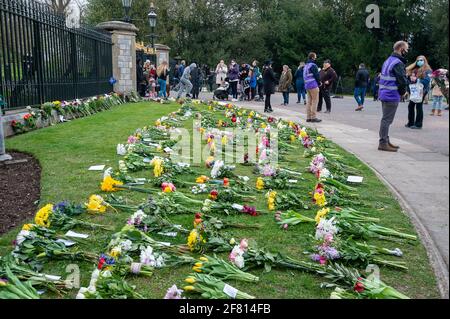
point(123, 54)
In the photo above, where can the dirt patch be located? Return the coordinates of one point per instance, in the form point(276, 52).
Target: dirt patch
point(20, 188)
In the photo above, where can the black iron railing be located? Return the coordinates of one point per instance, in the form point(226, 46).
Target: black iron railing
point(42, 59)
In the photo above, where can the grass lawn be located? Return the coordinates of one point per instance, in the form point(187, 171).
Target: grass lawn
point(66, 151)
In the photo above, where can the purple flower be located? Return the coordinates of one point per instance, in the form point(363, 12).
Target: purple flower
point(315, 257)
point(173, 293)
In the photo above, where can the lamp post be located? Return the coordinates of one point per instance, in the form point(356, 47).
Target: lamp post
point(152, 17)
point(127, 6)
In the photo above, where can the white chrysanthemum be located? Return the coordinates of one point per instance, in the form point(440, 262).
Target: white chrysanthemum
point(126, 245)
point(121, 150)
point(326, 227)
point(239, 261)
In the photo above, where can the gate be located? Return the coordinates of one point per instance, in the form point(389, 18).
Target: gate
point(42, 59)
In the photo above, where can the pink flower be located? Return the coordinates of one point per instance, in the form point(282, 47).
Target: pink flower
point(285, 226)
point(244, 244)
point(132, 139)
point(323, 260)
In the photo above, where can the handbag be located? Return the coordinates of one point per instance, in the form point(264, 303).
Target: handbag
point(416, 92)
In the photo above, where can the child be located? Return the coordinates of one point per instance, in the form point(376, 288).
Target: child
point(437, 99)
point(152, 87)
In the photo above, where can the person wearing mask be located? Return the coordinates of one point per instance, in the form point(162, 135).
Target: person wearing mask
point(393, 85)
point(312, 84)
point(221, 72)
point(162, 72)
point(285, 84)
point(300, 83)
point(233, 76)
point(269, 85)
point(361, 83)
point(327, 77)
point(196, 82)
point(420, 71)
point(185, 81)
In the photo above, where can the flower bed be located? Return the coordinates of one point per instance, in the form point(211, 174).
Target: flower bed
point(219, 203)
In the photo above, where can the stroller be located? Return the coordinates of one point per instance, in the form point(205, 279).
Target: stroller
point(244, 89)
point(221, 93)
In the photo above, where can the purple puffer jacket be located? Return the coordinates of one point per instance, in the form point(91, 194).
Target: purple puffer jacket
point(233, 72)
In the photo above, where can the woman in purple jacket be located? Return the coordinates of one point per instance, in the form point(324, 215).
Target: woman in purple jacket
point(233, 75)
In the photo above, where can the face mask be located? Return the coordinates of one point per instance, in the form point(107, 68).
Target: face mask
point(404, 53)
point(420, 63)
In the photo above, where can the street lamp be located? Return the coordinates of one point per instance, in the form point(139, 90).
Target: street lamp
point(152, 17)
point(127, 6)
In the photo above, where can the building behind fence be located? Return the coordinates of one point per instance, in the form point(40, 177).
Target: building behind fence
point(42, 59)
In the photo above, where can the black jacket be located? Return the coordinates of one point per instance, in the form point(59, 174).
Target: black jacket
point(362, 78)
point(269, 81)
point(400, 74)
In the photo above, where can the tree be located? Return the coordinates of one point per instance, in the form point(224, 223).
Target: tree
point(59, 6)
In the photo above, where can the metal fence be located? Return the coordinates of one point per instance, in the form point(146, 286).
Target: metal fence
point(42, 59)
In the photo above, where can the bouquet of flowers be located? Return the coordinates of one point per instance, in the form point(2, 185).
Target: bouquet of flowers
point(55, 216)
point(221, 269)
point(291, 218)
point(34, 244)
point(212, 288)
point(12, 288)
point(228, 208)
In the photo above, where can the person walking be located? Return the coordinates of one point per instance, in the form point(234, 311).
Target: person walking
point(393, 83)
point(361, 83)
point(327, 77)
point(233, 76)
point(221, 72)
point(269, 85)
point(253, 83)
point(438, 96)
point(312, 84)
point(285, 84)
point(300, 83)
point(163, 72)
point(418, 73)
point(185, 81)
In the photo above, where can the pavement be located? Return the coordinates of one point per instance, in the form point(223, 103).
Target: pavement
point(418, 174)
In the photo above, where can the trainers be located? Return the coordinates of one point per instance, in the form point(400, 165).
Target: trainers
point(415, 127)
point(387, 148)
point(316, 120)
point(359, 108)
point(308, 121)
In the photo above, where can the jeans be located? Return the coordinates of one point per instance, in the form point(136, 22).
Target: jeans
point(301, 91)
point(360, 95)
point(286, 97)
point(267, 104)
point(437, 103)
point(324, 95)
point(234, 90)
point(313, 100)
point(415, 114)
point(389, 110)
point(162, 88)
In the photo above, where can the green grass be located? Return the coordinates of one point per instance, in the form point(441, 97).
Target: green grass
point(66, 151)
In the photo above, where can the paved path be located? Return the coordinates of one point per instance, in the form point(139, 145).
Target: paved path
point(418, 174)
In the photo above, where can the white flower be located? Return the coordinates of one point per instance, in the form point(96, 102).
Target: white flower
point(121, 150)
point(159, 263)
point(244, 178)
point(126, 245)
point(22, 236)
point(325, 173)
point(326, 227)
point(147, 257)
point(216, 169)
point(106, 274)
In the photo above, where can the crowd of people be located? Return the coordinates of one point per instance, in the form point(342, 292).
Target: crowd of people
point(394, 83)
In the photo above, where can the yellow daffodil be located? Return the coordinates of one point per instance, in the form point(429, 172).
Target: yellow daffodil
point(199, 264)
point(96, 204)
point(320, 199)
point(109, 184)
point(260, 183)
point(190, 280)
point(321, 214)
point(197, 269)
point(27, 227)
point(321, 138)
point(158, 168)
point(205, 259)
point(293, 138)
point(189, 288)
point(303, 134)
point(193, 238)
point(263, 125)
